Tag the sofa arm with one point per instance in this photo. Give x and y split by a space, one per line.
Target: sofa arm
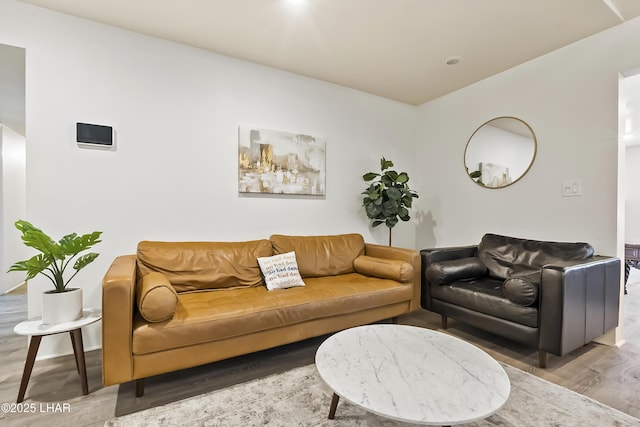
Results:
118 304
579 301
401 254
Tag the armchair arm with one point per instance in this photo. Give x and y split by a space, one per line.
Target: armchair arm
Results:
432 255
579 301
447 254
118 304
407 255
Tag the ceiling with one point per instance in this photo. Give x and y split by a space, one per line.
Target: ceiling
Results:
396 49
393 48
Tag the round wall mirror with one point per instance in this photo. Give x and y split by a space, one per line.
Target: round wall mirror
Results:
500 152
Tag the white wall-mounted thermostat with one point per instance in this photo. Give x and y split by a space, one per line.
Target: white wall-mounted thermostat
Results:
96 136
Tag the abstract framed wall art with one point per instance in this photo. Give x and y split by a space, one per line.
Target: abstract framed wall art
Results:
495 175
278 162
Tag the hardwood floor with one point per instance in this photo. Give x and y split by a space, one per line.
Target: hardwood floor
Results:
608 374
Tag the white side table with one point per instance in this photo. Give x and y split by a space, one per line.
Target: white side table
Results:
36 329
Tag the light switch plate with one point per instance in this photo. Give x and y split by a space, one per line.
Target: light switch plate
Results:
571 188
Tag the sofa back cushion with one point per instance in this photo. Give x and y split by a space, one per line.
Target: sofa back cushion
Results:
319 256
507 257
193 266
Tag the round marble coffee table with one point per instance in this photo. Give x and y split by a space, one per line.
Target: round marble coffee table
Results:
412 374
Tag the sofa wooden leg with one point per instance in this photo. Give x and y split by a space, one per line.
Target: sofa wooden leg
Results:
443 321
140 387
542 355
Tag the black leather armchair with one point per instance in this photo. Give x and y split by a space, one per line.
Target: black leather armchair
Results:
553 296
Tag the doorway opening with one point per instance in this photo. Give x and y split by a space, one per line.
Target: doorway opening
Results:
12 161
629 131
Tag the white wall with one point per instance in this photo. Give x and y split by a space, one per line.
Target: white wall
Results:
176 111
12 204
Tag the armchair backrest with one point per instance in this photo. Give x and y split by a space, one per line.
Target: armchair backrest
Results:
507 257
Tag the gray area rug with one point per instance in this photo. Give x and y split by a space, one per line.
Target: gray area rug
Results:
300 398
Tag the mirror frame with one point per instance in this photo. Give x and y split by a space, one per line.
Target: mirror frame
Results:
533 157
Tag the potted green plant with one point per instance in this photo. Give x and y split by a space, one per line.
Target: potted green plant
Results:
476 176
388 198
52 262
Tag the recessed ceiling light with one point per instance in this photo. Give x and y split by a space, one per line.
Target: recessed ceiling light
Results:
296 1
453 60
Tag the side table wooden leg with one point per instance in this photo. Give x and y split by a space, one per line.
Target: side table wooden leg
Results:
28 365
78 350
334 405
73 345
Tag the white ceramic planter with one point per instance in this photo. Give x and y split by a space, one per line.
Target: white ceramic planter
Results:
61 307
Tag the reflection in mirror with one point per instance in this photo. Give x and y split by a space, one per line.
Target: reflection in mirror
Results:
12 88
500 152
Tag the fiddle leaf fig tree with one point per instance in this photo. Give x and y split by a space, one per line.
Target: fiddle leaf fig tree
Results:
388 198
55 257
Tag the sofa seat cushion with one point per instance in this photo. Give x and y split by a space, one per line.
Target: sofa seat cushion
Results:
486 296
192 266
219 314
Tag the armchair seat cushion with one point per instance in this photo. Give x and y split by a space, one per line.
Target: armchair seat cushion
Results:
486 296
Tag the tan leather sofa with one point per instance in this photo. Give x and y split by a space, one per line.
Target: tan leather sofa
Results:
176 305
